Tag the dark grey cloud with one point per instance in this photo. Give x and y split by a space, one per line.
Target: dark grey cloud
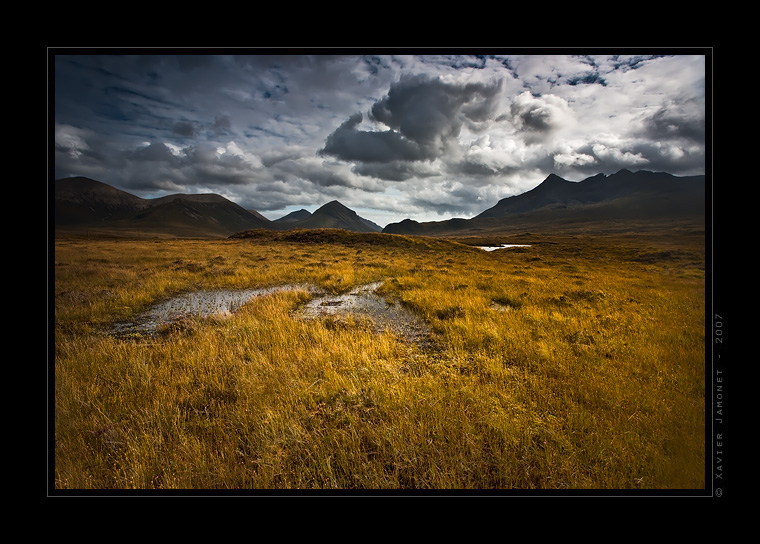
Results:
153 153
221 124
431 112
677 120
184 129
397 170
423 117
350 144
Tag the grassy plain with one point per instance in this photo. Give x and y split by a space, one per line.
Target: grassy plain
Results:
577 363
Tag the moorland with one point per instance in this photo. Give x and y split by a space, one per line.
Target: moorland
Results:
575 363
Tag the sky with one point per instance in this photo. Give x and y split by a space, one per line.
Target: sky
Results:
390 134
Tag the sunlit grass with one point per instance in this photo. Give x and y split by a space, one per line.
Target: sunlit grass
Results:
572 365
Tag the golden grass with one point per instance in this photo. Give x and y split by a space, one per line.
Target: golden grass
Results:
578 364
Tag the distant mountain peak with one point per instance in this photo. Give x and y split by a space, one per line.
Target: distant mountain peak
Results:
292 217
334 205
553 178
333 214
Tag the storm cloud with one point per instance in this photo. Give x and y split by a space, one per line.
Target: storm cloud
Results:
350 144
419 119
391 136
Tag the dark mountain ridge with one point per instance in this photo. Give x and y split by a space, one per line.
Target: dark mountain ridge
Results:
335 215
625 198
292 217
84 203
599 188
81 200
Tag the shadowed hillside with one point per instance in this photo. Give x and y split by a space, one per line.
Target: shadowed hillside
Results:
332 215
621 202
348 238
85 205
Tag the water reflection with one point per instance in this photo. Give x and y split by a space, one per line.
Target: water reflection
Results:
492 248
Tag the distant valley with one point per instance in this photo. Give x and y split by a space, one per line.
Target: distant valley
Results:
624 201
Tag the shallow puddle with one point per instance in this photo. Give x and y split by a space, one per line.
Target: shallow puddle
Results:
197 304
361 302
502 246
365 302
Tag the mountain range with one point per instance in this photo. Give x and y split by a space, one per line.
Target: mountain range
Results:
620 201
625 200
331 215
83 203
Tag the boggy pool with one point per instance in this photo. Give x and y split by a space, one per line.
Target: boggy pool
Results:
362 301
502 246
365 302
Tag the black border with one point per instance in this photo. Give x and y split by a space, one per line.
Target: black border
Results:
715 356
